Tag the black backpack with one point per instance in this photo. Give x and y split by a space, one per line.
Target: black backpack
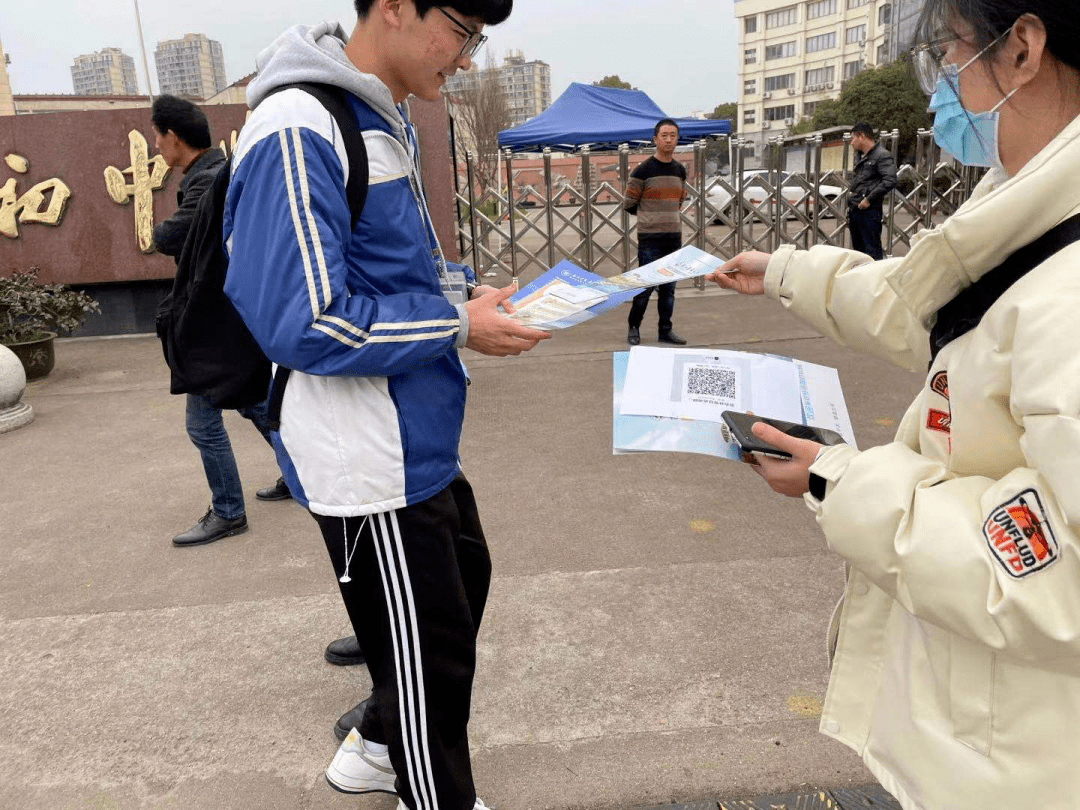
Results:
207 347
964 312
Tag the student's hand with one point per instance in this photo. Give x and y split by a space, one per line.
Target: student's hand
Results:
864 204
492 333
745 273
791 476
485 289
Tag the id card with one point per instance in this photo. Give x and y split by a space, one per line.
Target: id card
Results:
454 287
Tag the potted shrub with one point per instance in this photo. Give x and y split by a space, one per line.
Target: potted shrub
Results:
32 313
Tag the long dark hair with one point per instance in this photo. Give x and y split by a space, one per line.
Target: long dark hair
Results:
989 19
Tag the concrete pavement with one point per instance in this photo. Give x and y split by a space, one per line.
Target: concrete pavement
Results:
655 632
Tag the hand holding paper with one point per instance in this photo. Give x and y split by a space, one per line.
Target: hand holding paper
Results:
745 273
495 334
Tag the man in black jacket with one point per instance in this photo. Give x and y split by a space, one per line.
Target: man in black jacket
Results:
875 177
183 139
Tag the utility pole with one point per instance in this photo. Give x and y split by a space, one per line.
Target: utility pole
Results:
142 47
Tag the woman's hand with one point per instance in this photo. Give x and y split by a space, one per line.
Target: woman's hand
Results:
745 273
789 477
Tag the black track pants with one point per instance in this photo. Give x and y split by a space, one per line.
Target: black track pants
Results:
419 580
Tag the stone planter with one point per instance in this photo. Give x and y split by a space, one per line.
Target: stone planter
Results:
36 356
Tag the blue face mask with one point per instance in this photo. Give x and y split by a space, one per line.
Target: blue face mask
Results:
971 138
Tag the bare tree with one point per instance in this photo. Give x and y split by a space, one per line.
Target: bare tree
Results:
481 111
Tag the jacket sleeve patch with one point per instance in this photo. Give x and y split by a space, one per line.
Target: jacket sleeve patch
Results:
940 384
1020 536
938 420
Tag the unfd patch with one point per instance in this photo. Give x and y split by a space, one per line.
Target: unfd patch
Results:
1020 536
938 420
940 384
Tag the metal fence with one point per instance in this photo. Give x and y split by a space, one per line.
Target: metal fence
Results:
528 221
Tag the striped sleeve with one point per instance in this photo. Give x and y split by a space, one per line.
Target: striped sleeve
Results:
287 220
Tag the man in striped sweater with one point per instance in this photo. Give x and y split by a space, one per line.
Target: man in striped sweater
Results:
655 193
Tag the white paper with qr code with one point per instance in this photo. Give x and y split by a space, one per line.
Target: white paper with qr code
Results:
700 384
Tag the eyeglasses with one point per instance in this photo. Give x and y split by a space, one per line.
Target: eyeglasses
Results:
474 40
927 60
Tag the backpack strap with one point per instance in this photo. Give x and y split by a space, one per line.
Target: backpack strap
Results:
963 313
335 100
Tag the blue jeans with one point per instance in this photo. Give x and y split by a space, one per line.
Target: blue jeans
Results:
206 429
649 250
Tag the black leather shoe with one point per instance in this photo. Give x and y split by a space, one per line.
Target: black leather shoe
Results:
350 720
210 528
278 492
633 336
344 652
670 337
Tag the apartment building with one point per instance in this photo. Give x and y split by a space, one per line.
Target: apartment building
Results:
192 66
794 55
905 19
7 101
527 85
109 72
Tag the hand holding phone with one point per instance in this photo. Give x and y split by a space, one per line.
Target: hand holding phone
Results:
785 471
740 425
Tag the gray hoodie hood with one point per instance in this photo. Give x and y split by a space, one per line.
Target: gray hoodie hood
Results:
316 53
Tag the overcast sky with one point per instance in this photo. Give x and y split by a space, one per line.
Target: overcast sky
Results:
681 53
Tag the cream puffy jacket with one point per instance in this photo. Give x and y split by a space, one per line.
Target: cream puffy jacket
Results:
957 670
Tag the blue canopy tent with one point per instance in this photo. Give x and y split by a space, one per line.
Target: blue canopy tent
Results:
602 118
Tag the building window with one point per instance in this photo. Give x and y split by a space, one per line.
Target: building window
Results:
855 35
852 69
856 3
808 109
819 76
749 87
822 8
779 113
822 42
750 56
883 53
781 51
750 25
884 14
779 82
749 117
782 17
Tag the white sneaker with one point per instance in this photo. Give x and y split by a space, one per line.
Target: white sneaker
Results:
355 769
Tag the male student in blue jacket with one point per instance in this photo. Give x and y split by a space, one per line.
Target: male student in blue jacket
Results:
371 323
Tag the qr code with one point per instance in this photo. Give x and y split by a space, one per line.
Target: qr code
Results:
711 381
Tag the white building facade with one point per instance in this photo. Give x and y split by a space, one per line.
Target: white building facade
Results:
192 66
7 101
794 55
109 72
527 85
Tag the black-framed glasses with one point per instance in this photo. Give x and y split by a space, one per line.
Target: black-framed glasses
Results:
474 40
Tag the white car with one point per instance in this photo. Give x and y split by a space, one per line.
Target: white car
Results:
755 193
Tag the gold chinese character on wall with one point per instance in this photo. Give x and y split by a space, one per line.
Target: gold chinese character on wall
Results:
44 203
147 176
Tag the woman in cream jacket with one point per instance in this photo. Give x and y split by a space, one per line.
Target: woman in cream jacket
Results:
956 674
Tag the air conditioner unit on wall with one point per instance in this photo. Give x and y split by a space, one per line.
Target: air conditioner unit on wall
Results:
829 85
766 124
766 95
788 122
791 91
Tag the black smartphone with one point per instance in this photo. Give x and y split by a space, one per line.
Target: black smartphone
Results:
740 424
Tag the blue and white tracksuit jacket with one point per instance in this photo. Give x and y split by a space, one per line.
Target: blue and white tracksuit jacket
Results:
373 410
